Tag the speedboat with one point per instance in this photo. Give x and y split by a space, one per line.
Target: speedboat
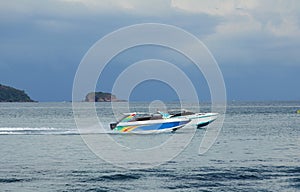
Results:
199 119
148 123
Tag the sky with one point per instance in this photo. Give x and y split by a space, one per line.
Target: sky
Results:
256 44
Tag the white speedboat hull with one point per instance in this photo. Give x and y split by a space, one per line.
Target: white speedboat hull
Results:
202 119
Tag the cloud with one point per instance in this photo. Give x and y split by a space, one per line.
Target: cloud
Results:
238 23
252 32
288 27
279 18
55 34
132 7
105 5
215 7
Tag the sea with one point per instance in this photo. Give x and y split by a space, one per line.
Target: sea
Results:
257 149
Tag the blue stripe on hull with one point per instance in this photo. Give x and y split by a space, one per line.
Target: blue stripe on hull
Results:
160 126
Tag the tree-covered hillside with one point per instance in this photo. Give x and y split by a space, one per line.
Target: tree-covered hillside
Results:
9 94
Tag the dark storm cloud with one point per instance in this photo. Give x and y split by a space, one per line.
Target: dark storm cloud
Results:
42 42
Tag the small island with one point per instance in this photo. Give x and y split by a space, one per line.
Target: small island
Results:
10 94
102 97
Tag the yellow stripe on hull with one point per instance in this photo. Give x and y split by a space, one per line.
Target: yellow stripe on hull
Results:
128 129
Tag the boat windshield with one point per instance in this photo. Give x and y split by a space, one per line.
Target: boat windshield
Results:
176 113
140 117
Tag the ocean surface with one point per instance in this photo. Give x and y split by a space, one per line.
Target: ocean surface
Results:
258 149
